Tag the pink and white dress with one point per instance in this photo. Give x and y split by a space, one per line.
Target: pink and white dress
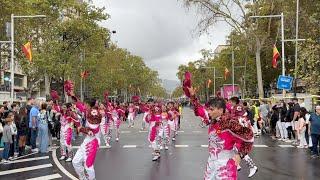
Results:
86 154
67 120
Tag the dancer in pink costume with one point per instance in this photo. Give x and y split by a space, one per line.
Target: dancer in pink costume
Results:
154 120
173 121
105 124
131 115
68 118
86 154
229 140
146 110
164 132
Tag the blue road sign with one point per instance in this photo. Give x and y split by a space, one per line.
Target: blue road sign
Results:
285 82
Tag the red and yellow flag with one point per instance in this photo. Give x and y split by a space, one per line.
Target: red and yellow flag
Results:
84 74
26 48
226 73
208 83
275 56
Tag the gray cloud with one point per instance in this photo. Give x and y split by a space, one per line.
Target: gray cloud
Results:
161 31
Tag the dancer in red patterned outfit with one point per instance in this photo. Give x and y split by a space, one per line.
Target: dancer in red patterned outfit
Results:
229 141
86 154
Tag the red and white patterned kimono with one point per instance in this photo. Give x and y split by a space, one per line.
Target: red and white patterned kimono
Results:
67 120
146 111
173 122
86 154
227 137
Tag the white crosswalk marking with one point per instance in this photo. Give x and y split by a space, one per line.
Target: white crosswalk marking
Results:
27 160
19 170
205 145
129 146
48 177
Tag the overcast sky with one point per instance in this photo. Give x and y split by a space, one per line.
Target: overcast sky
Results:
163 32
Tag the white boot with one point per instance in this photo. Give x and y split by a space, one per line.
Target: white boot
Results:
69 159
62 157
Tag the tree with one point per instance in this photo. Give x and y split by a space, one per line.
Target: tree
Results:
236 13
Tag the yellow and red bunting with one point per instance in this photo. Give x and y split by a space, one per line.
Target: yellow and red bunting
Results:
26 48
275 56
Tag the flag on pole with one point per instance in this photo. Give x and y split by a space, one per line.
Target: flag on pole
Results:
208 83
26 48
275 56
84 74
226 73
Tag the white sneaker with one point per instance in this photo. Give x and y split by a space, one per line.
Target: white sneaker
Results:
300 147
161 147
253 171
288 141
117 139
3 161
69 160
108 146
166 147
35 150
156 157
10 158
62 157
173 139
238 168
280 139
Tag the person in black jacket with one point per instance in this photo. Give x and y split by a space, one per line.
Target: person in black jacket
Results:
274 119
22 126
289 119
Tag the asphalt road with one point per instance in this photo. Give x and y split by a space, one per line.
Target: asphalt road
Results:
130 159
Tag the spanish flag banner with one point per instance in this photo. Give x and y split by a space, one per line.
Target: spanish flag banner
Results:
275 56
26 48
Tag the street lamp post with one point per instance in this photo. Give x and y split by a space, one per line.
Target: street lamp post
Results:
12 50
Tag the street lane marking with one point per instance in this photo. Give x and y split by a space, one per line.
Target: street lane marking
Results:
205 145
129 146
285 145
182 146
61 168
125 132
19 170
197 131
29 159
143 131
77 147
180 131
48 177
259 145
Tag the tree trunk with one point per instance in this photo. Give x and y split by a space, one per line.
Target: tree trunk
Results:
259 73
47 85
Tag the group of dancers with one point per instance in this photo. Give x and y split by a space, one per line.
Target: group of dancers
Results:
100 119
229 129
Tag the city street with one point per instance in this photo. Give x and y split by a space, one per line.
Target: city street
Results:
130 158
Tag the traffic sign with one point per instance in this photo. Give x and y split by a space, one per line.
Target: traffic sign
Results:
284 82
